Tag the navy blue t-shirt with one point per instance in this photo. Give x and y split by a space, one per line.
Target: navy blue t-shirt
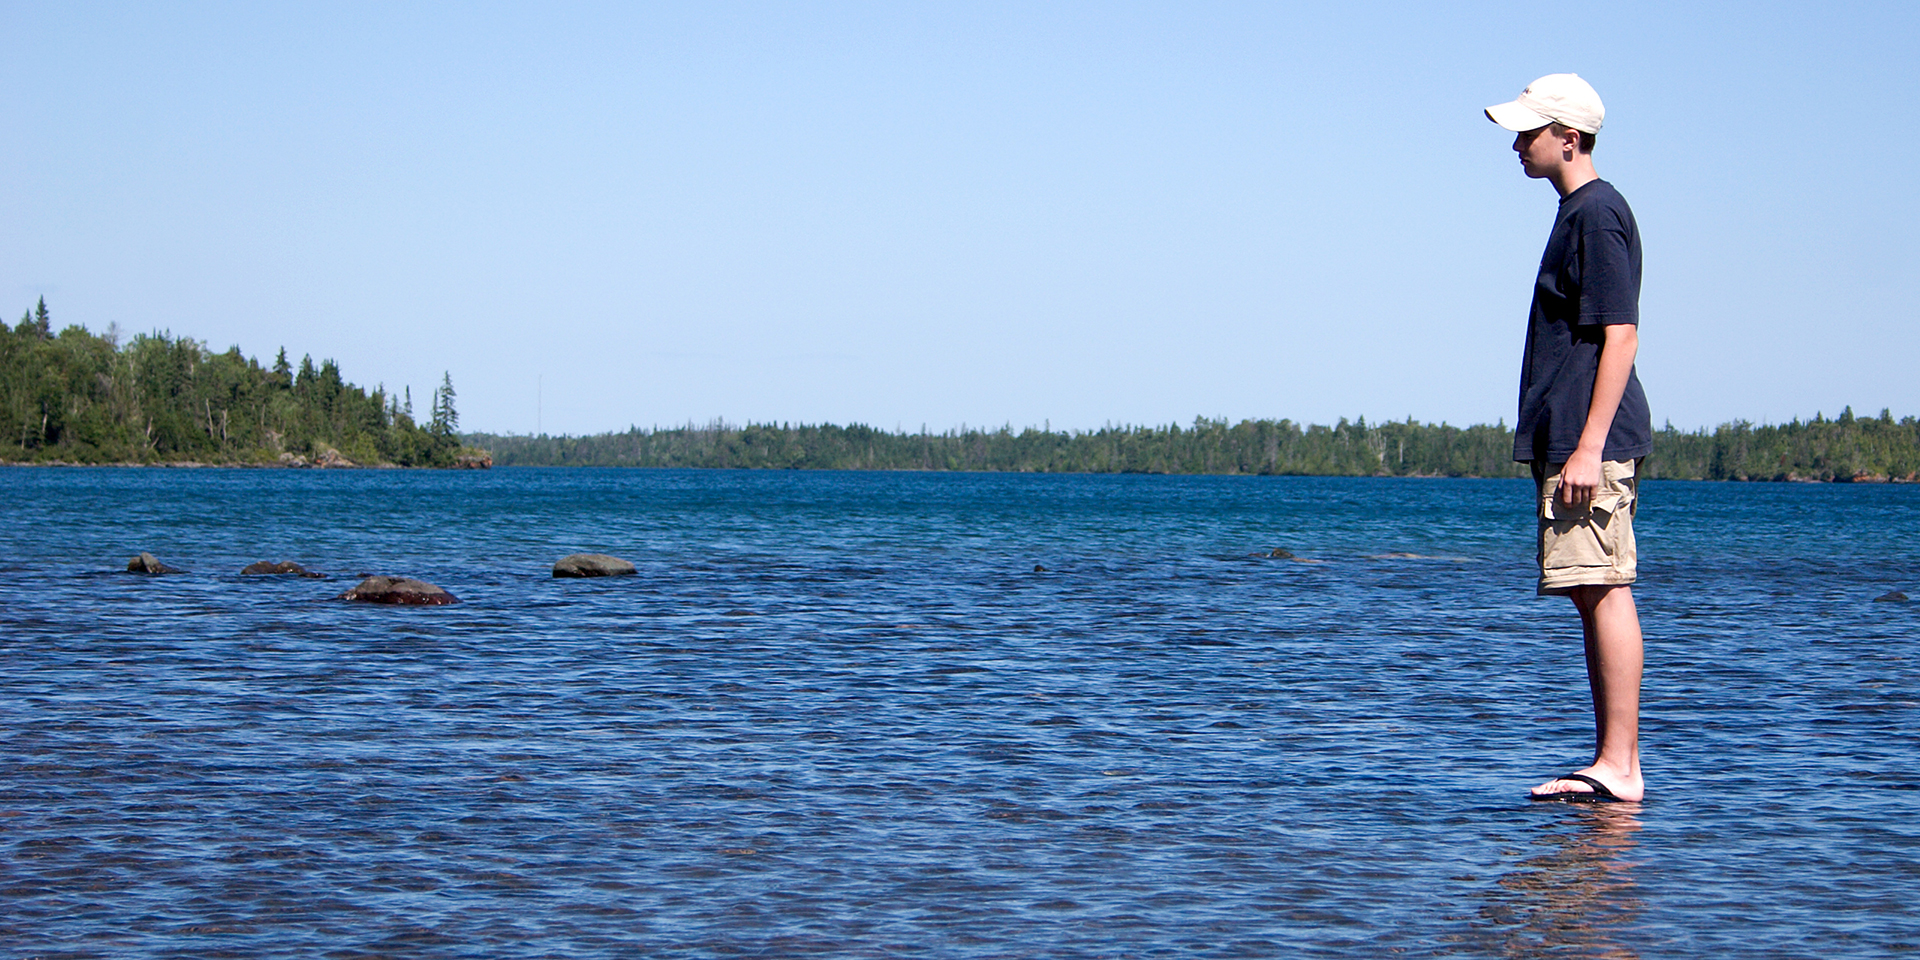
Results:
1589 278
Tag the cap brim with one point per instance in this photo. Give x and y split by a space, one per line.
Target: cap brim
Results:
1515 117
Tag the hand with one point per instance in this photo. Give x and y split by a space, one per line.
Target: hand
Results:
1579 478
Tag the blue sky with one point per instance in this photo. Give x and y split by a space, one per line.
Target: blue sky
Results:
596 215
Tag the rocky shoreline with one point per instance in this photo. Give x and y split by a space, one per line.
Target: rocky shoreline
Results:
286 462
485 462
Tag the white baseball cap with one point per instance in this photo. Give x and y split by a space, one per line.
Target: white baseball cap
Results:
1561 98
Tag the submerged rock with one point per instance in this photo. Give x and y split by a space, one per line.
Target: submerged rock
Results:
263 568
148 563
1893 597
592 565
404 590
1275 554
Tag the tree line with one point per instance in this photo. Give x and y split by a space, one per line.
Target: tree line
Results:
80 398
1843 449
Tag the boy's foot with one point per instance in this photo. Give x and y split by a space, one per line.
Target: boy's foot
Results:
1594 783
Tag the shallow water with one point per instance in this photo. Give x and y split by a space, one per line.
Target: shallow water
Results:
841 714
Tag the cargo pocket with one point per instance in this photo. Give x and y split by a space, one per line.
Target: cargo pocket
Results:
1576 535
1617 491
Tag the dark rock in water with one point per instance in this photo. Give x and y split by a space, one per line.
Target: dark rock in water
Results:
592 565
1275 554
398 590
148 563
1039 569
1893 597
263 568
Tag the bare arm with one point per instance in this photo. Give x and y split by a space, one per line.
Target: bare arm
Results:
1580 477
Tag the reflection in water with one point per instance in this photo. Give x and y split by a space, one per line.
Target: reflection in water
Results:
1576 894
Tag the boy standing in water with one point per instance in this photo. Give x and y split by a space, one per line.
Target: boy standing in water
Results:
1584 424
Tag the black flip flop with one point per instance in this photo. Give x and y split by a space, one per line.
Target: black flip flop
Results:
1599 793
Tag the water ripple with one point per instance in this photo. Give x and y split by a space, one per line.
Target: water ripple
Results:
844 715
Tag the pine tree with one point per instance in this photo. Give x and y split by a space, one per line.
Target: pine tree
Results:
160 398
446 420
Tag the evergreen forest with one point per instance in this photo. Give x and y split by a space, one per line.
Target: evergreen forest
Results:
1846 448
74 397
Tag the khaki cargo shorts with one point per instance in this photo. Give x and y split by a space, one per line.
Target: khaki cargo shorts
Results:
1592 544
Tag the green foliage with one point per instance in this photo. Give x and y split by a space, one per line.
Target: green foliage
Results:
79 398
1845 449
446 421
1208 446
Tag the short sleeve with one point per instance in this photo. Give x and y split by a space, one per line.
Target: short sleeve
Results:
1609 278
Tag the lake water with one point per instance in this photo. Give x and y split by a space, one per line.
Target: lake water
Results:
841 714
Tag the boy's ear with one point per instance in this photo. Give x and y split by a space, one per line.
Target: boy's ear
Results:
1569 140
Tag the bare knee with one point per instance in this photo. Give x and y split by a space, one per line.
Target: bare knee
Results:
1590 597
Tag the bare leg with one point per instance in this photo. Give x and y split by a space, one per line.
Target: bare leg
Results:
1611 627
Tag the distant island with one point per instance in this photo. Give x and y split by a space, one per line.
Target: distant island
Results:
1844 449
74 397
